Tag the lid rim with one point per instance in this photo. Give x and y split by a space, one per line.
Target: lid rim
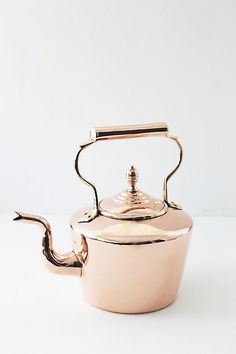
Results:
119 216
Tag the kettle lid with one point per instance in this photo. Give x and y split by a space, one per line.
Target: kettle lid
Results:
132 203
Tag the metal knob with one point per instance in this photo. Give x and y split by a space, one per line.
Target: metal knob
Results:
132 178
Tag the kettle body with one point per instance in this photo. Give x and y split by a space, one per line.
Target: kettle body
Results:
136 273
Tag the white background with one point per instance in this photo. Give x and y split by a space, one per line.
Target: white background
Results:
66 66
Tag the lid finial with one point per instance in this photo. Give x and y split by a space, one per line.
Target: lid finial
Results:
132 178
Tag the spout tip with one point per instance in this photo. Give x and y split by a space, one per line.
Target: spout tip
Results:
29 218
18 217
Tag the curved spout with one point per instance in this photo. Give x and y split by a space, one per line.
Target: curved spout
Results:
67 263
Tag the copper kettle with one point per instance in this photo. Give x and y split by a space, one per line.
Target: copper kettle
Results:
130 249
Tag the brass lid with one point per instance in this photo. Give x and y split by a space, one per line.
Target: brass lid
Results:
131 203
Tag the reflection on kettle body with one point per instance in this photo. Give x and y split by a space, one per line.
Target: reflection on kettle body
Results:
66 263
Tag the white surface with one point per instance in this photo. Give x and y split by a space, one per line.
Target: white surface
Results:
66 66
46 314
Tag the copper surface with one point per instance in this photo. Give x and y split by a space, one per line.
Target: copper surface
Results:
132 176
134 278
172 224
131 131
67 263
132 203
128 264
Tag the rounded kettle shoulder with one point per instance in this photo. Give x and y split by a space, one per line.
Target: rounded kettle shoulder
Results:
174 223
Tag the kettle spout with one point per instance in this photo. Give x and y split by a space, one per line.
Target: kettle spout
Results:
70 263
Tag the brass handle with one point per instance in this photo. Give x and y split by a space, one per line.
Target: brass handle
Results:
125 132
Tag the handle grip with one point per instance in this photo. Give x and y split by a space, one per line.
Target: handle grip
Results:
129 131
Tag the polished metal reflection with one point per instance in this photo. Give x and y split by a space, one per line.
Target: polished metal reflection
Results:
132 203
67 260
130 248
124 132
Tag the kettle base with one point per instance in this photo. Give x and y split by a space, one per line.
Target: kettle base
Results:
136 312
